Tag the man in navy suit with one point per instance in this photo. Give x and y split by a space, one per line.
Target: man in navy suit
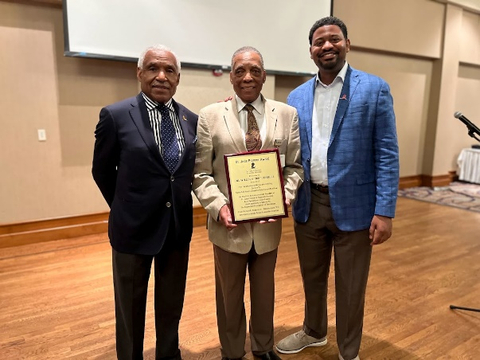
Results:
143 164
348 198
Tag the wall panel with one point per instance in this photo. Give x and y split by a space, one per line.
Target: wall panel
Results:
401 26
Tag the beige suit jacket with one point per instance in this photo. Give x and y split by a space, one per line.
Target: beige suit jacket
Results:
218 134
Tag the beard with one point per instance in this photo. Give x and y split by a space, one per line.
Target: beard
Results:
330 63
335 63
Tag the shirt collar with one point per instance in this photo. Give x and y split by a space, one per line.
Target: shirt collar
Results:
152 104
341 75
257 104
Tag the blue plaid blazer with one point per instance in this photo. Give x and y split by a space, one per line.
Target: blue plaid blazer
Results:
363 165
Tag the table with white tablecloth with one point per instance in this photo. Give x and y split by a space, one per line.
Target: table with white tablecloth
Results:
469 165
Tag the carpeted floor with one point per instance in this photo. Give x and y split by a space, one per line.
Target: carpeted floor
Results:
458 194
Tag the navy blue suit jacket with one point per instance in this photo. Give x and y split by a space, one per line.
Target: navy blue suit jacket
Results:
362 157
129 170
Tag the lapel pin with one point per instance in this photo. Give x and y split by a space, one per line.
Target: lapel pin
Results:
344 97
184 118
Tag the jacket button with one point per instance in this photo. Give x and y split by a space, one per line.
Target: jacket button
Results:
172 178
168 204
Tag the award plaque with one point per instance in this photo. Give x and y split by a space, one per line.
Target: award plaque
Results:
255 186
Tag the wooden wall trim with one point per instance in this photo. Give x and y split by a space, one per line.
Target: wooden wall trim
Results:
199 216
36 231
410 181
30 232
427 180
439 180
46 224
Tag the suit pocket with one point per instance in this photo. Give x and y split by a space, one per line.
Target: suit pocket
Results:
357 108
365 179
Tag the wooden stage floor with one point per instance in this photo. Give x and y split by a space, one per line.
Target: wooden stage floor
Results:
56 298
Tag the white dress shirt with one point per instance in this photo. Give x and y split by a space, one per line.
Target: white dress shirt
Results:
259 112
325 103
156 118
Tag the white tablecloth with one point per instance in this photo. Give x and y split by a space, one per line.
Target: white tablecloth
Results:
469 165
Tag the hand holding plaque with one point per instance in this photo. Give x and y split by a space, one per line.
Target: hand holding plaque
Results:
255 186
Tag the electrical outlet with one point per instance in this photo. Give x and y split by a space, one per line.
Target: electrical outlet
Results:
42 135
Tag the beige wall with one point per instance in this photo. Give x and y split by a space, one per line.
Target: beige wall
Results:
419 47
42 89
410 27
470 39
431 76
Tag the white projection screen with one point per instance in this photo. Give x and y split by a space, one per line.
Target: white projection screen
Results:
203 33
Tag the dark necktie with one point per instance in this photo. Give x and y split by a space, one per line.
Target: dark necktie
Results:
170 149
252 137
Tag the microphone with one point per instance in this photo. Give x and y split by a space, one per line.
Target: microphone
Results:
471 126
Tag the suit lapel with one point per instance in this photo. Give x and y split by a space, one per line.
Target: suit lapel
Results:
140 118
232 122
305 111
187 136
348 89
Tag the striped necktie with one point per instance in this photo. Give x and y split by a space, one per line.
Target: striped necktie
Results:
170 148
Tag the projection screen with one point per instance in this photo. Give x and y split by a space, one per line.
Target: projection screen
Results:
203 33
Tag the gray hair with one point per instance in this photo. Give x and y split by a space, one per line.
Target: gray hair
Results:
245 49
157 48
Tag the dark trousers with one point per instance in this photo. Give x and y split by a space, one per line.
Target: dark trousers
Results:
130 278
230 273
352 254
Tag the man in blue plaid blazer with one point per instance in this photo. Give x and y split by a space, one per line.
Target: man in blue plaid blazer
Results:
348 198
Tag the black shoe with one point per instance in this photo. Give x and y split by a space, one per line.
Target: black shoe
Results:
271 355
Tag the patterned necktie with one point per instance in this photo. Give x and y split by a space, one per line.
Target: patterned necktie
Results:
168 136
252 137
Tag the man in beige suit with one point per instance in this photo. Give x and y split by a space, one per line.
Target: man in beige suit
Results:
223 129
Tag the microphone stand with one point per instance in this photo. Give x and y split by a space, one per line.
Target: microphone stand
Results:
453 307
472 129
471 132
